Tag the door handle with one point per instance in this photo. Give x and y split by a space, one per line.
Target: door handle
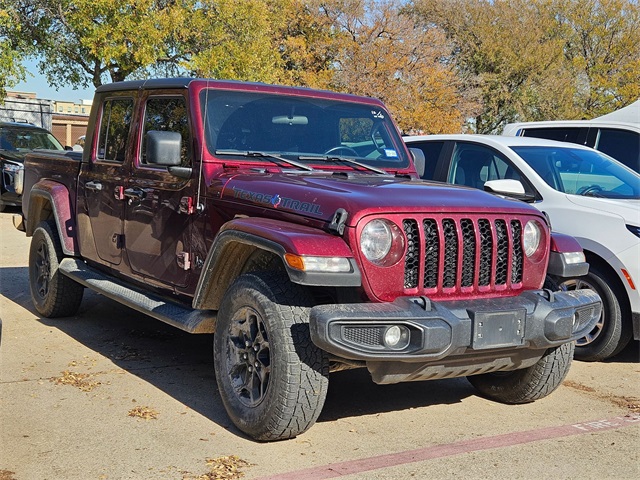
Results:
93 186
134 194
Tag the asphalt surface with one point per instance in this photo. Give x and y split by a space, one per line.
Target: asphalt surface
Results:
112 394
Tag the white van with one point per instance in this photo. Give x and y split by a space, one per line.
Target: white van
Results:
617 134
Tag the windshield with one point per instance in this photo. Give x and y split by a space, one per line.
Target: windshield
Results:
18 141
581 172
310 130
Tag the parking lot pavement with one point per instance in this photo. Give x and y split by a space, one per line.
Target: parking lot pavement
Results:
112 394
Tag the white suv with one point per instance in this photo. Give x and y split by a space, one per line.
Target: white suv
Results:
585 194
617 134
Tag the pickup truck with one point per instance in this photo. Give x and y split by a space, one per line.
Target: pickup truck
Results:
293 225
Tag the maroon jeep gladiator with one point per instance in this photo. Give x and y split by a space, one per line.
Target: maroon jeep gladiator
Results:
292 223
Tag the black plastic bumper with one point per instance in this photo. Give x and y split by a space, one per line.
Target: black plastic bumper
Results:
430 331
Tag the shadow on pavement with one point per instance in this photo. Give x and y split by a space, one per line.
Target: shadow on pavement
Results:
181 364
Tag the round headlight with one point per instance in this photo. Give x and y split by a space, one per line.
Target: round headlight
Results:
375 240
531 238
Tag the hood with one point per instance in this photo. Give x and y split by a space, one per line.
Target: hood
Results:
319 195
628 209
12 156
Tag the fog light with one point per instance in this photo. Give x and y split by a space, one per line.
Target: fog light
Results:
396 336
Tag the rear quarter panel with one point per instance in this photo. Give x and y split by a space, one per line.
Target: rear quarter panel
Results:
50 192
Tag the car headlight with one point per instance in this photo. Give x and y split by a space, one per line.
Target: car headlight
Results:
382 242
531 237
18 180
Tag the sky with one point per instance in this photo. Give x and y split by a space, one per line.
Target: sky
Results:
38 83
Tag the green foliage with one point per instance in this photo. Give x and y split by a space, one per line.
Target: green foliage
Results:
12 50
541 60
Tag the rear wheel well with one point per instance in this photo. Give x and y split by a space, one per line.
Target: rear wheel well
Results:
40 210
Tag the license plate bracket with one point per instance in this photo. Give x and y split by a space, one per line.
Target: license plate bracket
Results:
498 329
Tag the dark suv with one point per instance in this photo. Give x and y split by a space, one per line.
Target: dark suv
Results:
16 140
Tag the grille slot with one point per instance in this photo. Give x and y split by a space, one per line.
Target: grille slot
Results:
486 252
454 253
412 258
516 252
431 254
468 252
502 259
450 253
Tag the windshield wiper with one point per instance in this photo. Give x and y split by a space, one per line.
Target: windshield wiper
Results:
333 158
264 155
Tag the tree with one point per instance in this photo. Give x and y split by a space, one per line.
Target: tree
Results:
84 42
384 53
602 52
542 60
508 52
12 50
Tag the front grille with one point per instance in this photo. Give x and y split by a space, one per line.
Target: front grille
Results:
450 254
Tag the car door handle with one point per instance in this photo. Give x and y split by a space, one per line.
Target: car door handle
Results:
93 186
134 194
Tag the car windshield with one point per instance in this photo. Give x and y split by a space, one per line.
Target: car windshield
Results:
18 141
581 172
308 130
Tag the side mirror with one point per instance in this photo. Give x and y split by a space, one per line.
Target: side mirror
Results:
508 187
164 148
418 160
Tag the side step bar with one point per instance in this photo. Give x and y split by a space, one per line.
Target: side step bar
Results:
187 319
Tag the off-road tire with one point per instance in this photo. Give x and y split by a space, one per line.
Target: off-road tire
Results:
611 334
279 389
528 384
53 294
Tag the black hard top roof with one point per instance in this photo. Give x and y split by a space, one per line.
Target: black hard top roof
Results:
183 82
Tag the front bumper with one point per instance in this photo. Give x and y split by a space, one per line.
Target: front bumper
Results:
460 331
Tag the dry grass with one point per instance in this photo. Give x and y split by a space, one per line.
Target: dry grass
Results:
78 380
147 413
222 468
7 475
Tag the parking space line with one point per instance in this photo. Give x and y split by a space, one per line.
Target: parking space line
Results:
350 467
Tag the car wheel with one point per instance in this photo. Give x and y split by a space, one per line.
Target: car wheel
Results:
272 379
610 334
53 294
527 384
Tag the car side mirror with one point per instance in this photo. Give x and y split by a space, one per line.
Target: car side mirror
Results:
419 160
164 148
508 187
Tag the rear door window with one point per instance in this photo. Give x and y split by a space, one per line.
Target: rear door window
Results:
622 145
561 134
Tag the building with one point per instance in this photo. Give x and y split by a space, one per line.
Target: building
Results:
66 120
71 108
70 120
24 107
